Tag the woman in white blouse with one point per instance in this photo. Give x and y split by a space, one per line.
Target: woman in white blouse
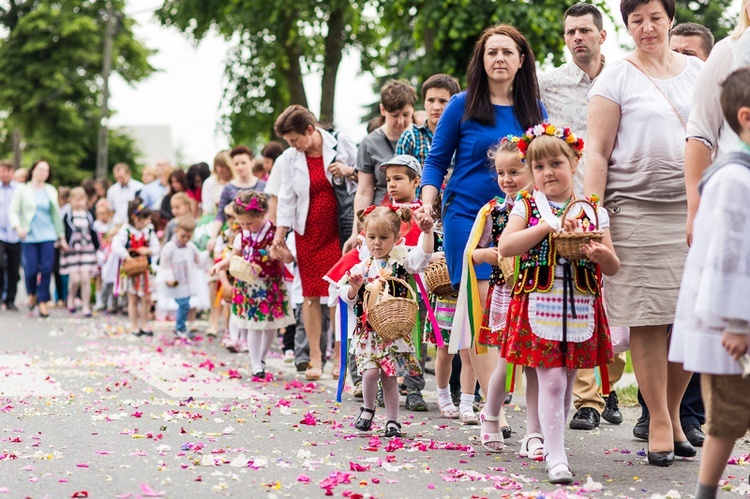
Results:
222 173
638 109
707 132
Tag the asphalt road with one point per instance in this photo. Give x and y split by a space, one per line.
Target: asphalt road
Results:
86 410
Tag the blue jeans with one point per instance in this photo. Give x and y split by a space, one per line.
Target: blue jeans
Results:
183 307
38 258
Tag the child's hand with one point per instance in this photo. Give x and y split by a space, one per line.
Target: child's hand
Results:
570 224
485 255
356 281
172 284
214 269
144 251
438 256
735 344
424 223
597 252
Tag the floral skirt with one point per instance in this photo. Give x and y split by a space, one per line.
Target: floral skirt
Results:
519 345
494 318
261 305
395 358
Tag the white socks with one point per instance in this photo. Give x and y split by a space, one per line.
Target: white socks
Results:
467 403
444 397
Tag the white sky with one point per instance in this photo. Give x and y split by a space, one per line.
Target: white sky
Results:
186 91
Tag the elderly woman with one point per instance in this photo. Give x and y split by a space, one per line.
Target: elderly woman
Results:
638 110
709 137
307 205
35 216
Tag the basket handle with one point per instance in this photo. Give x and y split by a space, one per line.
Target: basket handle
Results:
366 297
585 201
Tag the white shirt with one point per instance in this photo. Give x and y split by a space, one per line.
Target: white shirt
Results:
210 195
119 196
180 264
565 94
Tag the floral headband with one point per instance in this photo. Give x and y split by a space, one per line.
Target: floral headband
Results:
562 133
253 204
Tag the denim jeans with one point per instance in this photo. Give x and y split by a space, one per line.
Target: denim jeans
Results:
38 258
183 307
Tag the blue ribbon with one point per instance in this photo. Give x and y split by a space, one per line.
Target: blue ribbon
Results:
344 350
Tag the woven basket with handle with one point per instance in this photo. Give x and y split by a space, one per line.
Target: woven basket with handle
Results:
438 279
243 270
392 318
508 268
134 266
570 244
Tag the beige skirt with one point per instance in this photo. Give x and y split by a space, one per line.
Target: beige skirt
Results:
649 238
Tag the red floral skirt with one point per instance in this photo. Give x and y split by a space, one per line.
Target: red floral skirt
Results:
519 345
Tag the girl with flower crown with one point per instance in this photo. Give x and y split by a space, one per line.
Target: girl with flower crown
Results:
556 321
376 357
261 307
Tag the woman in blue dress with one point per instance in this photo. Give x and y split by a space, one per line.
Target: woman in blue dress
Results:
502 98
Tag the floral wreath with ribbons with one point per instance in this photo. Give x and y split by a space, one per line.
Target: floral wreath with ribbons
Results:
562 133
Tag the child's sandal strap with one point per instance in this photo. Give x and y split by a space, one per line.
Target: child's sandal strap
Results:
369 411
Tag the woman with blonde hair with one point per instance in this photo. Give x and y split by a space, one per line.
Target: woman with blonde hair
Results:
223 172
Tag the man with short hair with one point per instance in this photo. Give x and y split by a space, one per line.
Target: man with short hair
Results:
691 39
10 243
122 192
565 95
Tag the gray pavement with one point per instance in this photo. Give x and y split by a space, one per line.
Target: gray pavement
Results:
86 410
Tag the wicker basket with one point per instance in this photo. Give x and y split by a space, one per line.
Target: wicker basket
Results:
438 279
243 270
508 268
134 266
392 318
227 293
570 244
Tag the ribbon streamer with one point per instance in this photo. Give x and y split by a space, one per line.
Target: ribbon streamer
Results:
344 350
430 312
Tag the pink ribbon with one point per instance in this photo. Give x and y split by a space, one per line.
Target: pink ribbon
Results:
430 313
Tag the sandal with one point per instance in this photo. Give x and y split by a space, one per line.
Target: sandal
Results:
313 373
449 411
469 417
490 438
392 429
532 450
336 371
560 474
364 424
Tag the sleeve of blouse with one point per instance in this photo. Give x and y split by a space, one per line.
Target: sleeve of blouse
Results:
519 210
287 206
706 117
607 85
365 163
417 260
153 242
119 243
347 150
444 143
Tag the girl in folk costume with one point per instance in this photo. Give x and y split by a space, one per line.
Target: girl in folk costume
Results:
512 176
556 321
136 238
376 357
261 306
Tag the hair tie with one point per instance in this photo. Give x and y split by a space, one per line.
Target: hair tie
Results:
561 133
368 210
253 204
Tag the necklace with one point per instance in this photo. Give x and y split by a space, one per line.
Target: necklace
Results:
669 65
558 211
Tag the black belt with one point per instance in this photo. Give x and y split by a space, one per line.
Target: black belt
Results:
567 288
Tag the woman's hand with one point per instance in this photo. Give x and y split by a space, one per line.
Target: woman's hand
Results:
736 344
21 233
339 169
63 245
350 244
485 255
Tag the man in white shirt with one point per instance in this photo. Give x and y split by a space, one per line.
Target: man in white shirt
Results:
565 95
122 192
10 245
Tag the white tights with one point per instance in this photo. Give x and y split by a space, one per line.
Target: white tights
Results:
259 341
555 395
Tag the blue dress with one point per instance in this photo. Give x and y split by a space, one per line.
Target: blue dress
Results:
473 181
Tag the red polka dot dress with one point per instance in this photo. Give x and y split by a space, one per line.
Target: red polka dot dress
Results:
318 249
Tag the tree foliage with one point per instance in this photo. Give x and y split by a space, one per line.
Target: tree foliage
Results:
713 14
50 80
275 44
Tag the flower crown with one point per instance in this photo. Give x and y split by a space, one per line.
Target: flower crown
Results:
562 133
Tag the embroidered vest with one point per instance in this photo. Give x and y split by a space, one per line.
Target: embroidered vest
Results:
499 221
537 266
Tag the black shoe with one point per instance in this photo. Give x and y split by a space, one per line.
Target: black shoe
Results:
611 412
402 390
392 429
640 430
456 397
586 418
508 398
665 458
694 434
11 307
506 431
684 449
145 333
260 374
303 366
415 402
364 424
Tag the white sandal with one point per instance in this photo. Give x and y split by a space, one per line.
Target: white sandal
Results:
468 417
449 411
531 450
560 474
490 438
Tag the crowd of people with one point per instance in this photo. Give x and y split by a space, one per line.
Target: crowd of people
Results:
563 207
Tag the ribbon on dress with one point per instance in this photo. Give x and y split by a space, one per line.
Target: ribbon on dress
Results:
344 349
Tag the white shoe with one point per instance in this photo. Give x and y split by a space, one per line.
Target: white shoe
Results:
288 356
560 475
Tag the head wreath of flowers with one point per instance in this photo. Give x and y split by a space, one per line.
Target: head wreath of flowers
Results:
562 133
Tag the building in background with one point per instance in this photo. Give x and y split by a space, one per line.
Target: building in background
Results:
154 142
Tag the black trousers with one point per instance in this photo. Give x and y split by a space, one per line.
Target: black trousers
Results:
10 253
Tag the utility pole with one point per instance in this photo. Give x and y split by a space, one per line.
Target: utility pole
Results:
102 154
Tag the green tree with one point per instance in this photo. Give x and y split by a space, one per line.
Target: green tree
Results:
276 44
713 14
50 79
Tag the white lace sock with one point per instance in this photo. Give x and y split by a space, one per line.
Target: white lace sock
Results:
268 336
255 349
467 403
